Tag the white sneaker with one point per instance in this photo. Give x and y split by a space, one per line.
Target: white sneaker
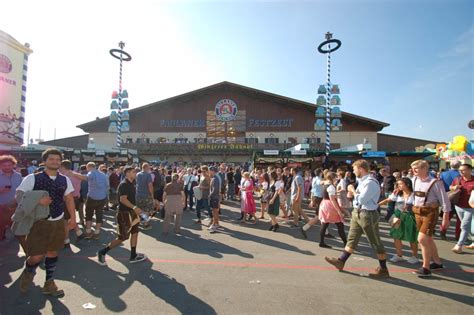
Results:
396 259
413 260
457 249
212 229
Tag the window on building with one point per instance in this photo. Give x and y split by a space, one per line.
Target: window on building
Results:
312 140
200 140
251 140
226 132
181 140
271 140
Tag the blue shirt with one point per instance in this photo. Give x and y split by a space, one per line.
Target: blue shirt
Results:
143 179
98 185
297 182
316 187
448 176
13 180
367 194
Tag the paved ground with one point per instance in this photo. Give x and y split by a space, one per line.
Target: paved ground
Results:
244 269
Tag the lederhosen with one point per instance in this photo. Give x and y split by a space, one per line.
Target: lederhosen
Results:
48 235
426 216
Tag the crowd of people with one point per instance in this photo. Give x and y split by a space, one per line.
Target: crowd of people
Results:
41 207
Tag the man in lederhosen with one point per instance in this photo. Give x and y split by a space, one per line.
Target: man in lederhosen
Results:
429 196
46 236
127 219
365 220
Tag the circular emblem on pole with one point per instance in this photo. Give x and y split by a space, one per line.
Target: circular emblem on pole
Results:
116 54
323 50
226 110
5 64
471 124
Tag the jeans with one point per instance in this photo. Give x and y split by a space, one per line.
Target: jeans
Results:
203 203
230 190
465 215
189 197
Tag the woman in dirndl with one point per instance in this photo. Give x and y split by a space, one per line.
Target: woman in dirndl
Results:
329 210
403 224
247 202
274 202
341 189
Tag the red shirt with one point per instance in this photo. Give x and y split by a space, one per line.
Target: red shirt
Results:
466 188
114 180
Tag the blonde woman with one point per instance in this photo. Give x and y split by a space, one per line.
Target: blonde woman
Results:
330 211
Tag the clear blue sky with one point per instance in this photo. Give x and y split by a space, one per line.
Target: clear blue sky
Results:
407 63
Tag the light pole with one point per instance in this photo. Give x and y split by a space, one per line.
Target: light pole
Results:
328 90
122 96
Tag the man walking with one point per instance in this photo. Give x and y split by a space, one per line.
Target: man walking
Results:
46 236
66 167
429 196
297 195
127 219
145 192
388 186
98 187
214 199
448 177
189 182
9 182
365 220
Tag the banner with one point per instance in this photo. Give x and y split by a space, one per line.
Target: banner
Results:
13 70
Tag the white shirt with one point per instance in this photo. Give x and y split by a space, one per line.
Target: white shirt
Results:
28 184
367 194
331 190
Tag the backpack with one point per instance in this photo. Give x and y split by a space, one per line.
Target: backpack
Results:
158 182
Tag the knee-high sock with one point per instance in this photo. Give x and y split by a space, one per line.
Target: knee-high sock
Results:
50 266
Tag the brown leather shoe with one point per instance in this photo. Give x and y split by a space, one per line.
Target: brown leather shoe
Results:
379 273
335 262
50 288
26 279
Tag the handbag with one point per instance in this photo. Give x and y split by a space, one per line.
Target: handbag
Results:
454 195
197 192
267 195
396 222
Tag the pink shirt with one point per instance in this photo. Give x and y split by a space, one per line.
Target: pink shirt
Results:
76 183
437 193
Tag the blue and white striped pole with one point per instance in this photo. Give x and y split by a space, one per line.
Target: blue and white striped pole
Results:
21 134
323 50
121 55
328 103
119 120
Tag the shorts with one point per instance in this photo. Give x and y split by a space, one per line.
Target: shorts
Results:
214 203
147 204
124 224
426 219
95 206
45 236
365 222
